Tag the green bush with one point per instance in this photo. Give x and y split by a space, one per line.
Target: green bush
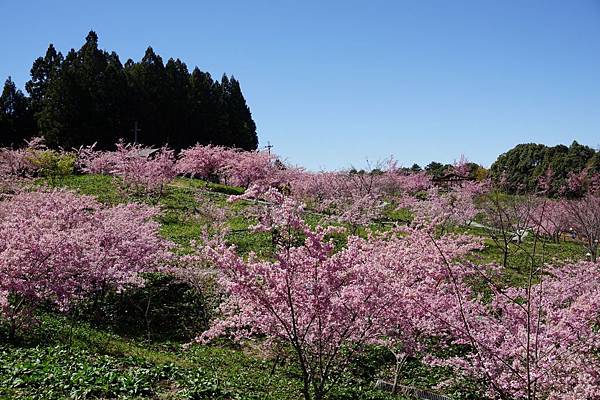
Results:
52 164
164 308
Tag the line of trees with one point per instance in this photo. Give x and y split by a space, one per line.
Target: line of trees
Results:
89 96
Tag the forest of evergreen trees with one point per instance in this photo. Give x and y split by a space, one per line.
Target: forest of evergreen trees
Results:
89 96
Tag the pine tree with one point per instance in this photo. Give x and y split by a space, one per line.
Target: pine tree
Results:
85 99
223 134
114 100
147 82
16 118
203 108
61 104
43 69
177 112
243 128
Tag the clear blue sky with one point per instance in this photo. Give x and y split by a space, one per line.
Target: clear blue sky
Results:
334 83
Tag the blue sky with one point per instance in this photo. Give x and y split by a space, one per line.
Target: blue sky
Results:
335 83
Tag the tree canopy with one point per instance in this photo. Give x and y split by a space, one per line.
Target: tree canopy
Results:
90 96
15 114
521 167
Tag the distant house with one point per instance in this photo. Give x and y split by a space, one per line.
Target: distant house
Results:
451 179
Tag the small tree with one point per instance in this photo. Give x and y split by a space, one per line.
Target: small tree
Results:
243 168
508 219
444 209
206 162
320 303
584 216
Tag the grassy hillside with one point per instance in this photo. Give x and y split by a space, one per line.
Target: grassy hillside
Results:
105 356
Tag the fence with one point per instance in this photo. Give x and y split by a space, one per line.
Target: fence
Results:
410 391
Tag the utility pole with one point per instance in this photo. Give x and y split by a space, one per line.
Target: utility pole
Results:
135 130
269 146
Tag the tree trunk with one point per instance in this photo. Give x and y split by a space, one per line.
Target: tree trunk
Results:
12 331
306 389
147 319
399 363
274 365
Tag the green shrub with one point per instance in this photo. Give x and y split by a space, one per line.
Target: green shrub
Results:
52 164
164 308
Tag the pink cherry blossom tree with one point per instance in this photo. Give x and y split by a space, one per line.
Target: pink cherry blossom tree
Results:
418 281
231 166
584 217
398 287
525 342
552 217
141 169
18 162
309 297
244 168
444 208
92 161
206 162
534 342
59 247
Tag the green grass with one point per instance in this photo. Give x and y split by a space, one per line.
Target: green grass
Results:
87 363
520 256
101 186
72 359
